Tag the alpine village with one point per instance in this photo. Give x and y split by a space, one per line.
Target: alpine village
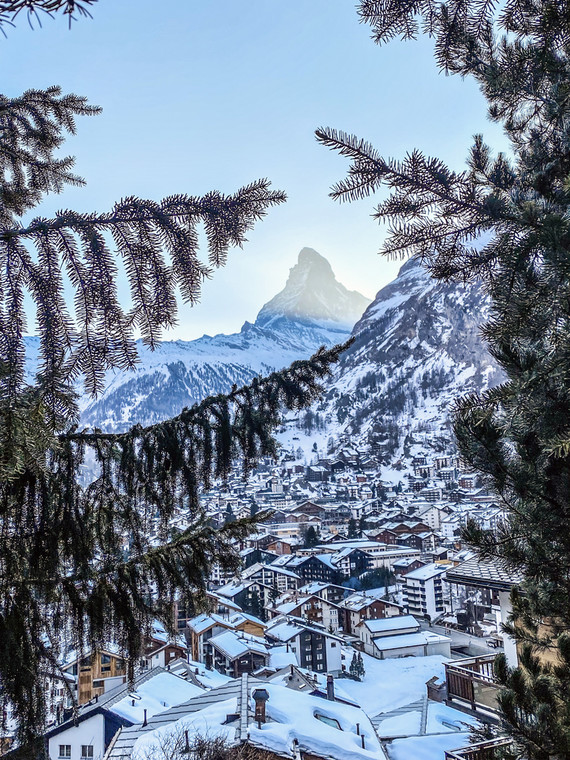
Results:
340 531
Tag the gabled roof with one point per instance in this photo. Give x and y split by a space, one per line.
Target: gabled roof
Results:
233 645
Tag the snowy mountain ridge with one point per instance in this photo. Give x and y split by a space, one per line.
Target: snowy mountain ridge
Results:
416 349
312 310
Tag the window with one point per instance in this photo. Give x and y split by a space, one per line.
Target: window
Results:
65 750
86 751
333 644
98 684
105 659
329 721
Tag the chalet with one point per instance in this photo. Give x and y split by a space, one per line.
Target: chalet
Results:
200 629
88 734
360 606
351 561
406 565
276 577
314 647
233 653
312 609
93 672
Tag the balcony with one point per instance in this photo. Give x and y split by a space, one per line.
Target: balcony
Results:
488 750
471 684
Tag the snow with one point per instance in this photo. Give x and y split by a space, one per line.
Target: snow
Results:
407 724
396 623
392 683
294 718
156 695
444 718
234 645
279 658
205 723
426 747
409 640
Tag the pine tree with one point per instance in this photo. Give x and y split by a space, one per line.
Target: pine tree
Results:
503 221
353 668
360 666
77 564
311 537
352 528
10 10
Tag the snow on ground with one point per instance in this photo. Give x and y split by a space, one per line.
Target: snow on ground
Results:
426 747
392 683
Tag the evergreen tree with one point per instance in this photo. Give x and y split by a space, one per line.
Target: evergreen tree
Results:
77 566
311 537
504 221
361 672
353 669
352 528
35 9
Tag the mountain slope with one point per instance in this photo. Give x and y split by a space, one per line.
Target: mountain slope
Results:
312 310
416 349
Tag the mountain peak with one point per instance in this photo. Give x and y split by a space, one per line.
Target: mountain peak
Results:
312 294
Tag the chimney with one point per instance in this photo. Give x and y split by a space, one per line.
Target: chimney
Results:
260 697
145 721
330 688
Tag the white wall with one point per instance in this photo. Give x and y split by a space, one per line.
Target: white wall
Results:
90 731
508 643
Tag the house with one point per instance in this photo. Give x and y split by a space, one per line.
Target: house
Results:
250 595
423 591
313 609
274 576
406 565
401 637
90 672
233 653
351 561
88 734
360 606
314 647
203 627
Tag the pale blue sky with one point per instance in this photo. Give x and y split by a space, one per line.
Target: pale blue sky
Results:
199 96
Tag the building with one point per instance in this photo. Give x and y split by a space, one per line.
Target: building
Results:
424 591
314 647
401 637
88 734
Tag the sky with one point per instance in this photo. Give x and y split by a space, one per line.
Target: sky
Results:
211 96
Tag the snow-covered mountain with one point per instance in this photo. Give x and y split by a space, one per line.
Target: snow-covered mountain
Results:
312 310
416 348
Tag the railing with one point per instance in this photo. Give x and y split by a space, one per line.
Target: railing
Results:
472 681
480 751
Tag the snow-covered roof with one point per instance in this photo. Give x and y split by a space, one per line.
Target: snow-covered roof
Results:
297 716
426 572
396 623
235 645
155 695
203 622
406 640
